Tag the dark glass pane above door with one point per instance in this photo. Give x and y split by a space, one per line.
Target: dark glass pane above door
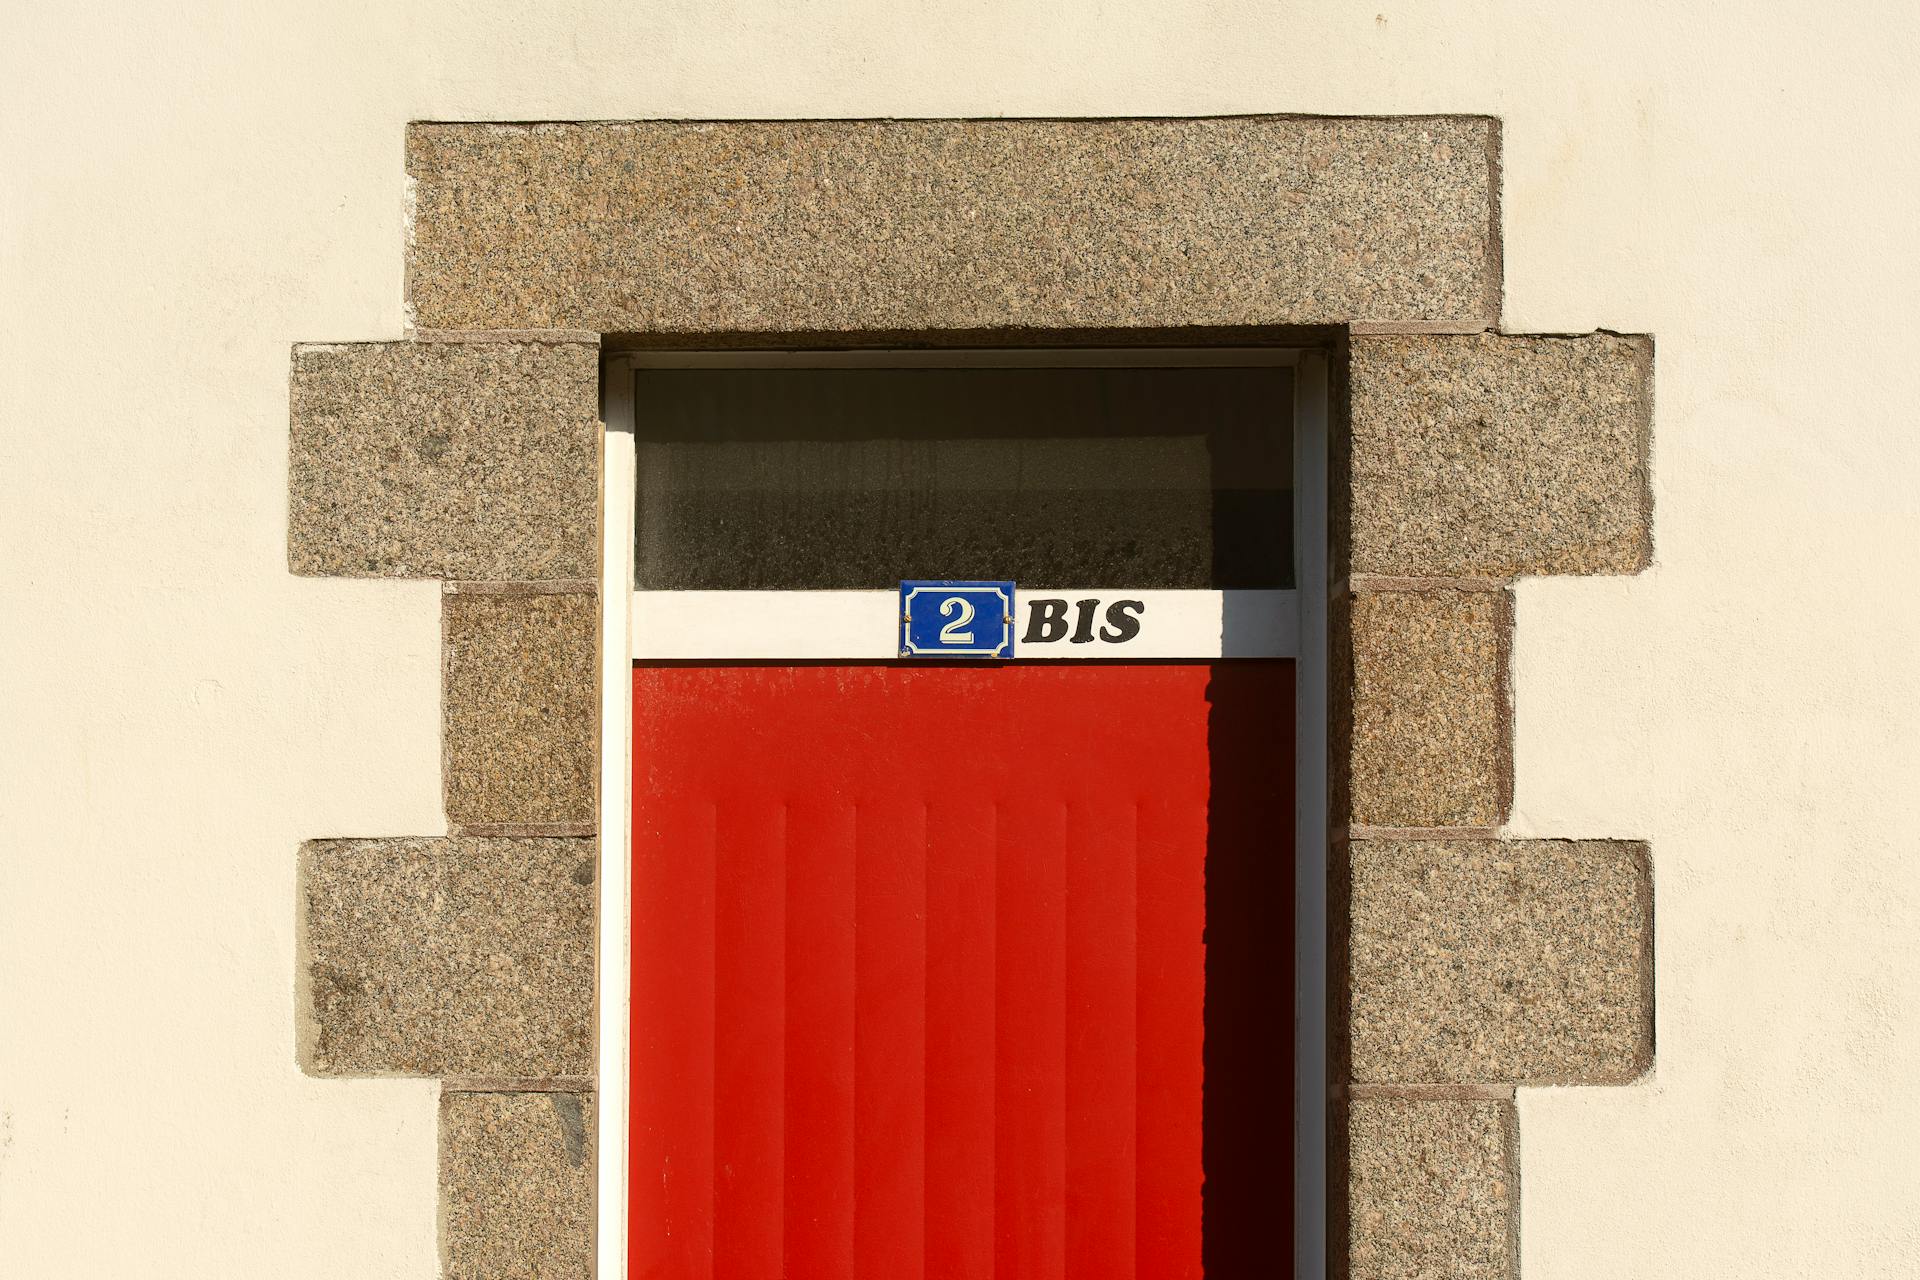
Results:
842 478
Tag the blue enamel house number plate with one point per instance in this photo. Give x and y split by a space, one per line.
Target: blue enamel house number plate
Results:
956 619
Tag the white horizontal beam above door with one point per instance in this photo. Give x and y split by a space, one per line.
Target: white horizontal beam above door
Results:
1086 623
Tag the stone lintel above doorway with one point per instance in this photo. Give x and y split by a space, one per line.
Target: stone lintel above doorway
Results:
824 226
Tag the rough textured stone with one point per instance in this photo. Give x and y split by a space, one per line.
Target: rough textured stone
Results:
445 460
1494 456
466 957
837 225
1433 1190
1429 734
521 707
1523 961
516 1186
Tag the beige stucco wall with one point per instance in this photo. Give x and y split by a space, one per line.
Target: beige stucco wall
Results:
188 191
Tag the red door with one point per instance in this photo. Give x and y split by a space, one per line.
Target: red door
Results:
962 971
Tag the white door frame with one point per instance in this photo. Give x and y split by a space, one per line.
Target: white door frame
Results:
692 628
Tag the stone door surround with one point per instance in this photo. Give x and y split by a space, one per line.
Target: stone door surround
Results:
1463 457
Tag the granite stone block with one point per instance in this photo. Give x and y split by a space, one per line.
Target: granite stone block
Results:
521 707
445 460
1428 732
1433 1190
1494 456
826 226
516 1186
1524 962
447 957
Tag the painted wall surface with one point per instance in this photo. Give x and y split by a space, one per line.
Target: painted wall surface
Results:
189 189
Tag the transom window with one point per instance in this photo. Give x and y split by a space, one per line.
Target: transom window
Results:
1158 473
